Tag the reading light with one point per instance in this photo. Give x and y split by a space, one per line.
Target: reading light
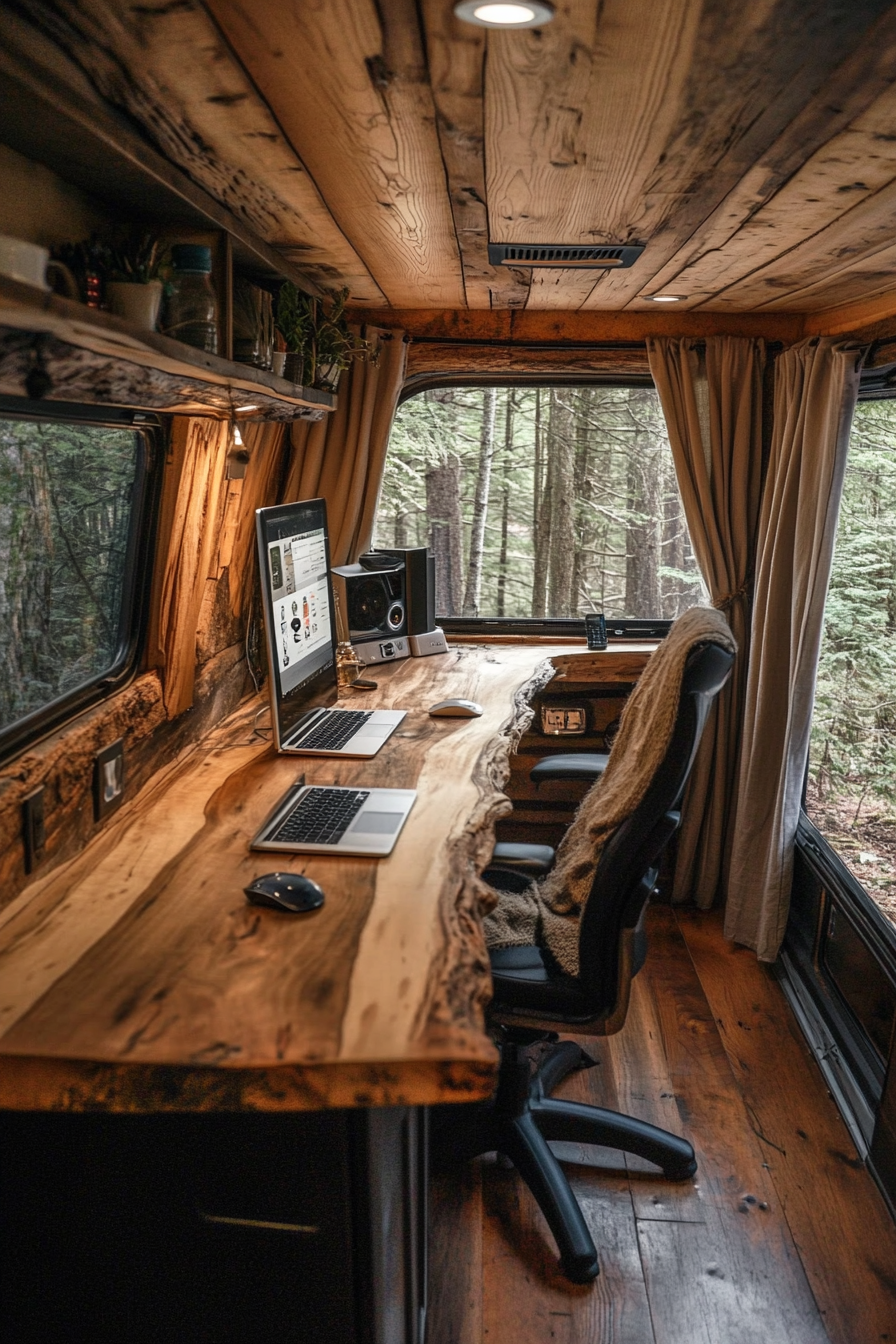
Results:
665 298
522 14
247 408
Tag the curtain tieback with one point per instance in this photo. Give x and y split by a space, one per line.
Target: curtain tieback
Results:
726 603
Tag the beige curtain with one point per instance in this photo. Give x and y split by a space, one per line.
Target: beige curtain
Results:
711 394
816 384
342 456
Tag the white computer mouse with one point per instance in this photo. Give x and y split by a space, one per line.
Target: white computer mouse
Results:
456 709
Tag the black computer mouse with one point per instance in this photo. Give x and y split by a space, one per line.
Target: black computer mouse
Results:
285 891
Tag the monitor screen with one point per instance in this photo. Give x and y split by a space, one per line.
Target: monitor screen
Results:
294 561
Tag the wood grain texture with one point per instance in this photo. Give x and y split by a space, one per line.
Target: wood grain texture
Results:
168 68
456 58
710 1051
864 77
811 1158
142 950
379 146
849 169
99 359
528 326
578 118
365 127
758 78
736 1274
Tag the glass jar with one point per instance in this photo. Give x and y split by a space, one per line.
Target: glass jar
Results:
191 310
348 667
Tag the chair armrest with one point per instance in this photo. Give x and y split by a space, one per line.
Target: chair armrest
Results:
587 765
506 879
535 860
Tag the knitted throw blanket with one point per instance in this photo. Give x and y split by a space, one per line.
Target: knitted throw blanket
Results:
547 913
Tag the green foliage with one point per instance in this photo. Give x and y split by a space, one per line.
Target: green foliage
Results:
318 330
583 511
853 753
65 517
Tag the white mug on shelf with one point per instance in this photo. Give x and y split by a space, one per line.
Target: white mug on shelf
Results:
28 263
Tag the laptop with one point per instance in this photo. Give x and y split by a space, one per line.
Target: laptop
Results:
300 637
325 819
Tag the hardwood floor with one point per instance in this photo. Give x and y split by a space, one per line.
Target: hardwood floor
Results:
782 1237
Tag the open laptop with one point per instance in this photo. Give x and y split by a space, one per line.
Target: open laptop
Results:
300 630
324 819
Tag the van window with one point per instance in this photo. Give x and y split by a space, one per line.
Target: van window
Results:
541 501
68 491
851 786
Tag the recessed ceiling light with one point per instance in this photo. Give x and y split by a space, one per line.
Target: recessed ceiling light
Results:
523 14
665 298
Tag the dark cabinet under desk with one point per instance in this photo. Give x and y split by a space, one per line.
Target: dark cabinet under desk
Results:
213 1229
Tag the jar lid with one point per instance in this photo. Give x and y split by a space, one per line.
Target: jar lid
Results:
191 257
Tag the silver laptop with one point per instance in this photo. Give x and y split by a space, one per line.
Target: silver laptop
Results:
324 819
300 630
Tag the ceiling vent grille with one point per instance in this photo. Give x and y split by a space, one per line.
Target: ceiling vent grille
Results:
567 258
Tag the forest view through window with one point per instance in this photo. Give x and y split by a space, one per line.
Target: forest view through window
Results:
540 501
66 495
851 789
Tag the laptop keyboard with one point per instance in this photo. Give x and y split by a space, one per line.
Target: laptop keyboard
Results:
321 816
334 730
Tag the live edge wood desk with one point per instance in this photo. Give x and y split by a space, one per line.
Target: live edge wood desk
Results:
230 1144
136 978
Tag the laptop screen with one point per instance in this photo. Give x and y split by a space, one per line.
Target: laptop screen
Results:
294 562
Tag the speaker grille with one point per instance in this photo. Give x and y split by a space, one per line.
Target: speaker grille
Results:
566 258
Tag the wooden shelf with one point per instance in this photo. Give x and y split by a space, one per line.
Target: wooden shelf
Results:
94 148
99 359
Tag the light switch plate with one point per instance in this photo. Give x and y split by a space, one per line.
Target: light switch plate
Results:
34 828
108 779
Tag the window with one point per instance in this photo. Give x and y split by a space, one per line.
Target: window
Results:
540 501
851 786
71 500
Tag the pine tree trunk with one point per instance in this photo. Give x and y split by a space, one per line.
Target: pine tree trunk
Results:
473 590
501 604
580 585
642 586
561 473
541 518
446 533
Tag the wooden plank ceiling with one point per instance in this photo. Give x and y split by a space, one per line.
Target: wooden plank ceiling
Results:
751 147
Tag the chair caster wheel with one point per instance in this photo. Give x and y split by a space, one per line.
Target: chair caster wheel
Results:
580 1270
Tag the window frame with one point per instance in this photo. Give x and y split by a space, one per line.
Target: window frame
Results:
546 627
152 431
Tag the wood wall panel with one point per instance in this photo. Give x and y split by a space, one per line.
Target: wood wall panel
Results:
456 54
381 146
577 116
356 104
755 69
852 88
169 69
852 168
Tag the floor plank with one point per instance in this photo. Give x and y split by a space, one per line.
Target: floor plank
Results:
735 1277
710 1051
846 1239
455 1298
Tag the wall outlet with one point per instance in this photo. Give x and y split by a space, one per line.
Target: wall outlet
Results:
34 828
108 780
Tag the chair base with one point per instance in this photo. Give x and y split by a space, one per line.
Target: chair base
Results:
522 1118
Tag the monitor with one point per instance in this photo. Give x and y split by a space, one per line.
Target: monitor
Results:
297 597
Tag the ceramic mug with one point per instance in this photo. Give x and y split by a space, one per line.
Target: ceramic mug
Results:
28 263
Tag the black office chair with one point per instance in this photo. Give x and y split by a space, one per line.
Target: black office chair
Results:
532 998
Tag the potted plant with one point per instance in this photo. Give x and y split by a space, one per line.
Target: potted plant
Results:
133 287
319 341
